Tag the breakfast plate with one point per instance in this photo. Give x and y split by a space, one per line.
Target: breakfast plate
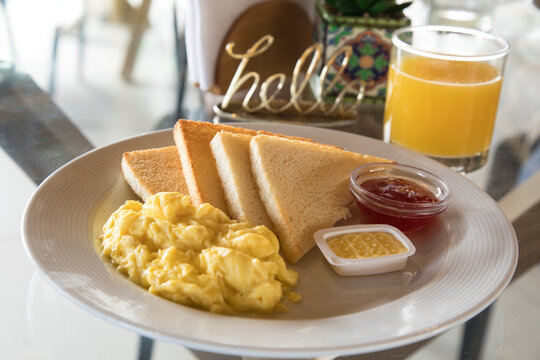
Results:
463 261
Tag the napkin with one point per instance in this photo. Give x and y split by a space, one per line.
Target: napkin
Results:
207 24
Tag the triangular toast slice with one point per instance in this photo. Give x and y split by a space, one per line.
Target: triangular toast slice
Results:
304 187
154 170
192 140
231 152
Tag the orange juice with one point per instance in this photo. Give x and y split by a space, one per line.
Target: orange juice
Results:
440 107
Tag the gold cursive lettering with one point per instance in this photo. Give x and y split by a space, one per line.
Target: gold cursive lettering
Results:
299 82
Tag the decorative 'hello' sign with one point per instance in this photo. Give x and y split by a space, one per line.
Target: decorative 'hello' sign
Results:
299 82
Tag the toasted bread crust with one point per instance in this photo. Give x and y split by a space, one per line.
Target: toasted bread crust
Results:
153 170
192 139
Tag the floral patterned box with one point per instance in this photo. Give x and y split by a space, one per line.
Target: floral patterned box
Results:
370 39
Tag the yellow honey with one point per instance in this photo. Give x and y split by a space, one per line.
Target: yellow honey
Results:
365 245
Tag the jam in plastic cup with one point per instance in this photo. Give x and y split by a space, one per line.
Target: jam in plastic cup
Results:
403 196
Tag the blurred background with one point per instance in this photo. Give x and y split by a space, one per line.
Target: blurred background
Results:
105 64
77 51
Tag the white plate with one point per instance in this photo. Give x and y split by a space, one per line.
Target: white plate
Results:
463 261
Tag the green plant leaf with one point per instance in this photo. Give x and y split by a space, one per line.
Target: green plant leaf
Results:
394 9
364 5
380 7
345 7
372 7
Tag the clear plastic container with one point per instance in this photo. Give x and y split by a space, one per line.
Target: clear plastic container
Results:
364 265
399 195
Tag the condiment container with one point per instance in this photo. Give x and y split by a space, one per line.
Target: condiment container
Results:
364 265
400 195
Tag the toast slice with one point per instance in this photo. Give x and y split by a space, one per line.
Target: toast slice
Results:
153 170
192 140
304 187
231 152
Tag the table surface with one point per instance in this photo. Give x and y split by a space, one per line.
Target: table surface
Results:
36 138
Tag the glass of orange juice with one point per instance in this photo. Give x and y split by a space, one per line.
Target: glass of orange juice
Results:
443 92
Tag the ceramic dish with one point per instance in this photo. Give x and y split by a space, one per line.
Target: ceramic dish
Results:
470 250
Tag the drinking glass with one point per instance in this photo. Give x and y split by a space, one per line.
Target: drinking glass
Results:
443 92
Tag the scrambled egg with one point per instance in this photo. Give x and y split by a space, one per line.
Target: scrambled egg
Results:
197 256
